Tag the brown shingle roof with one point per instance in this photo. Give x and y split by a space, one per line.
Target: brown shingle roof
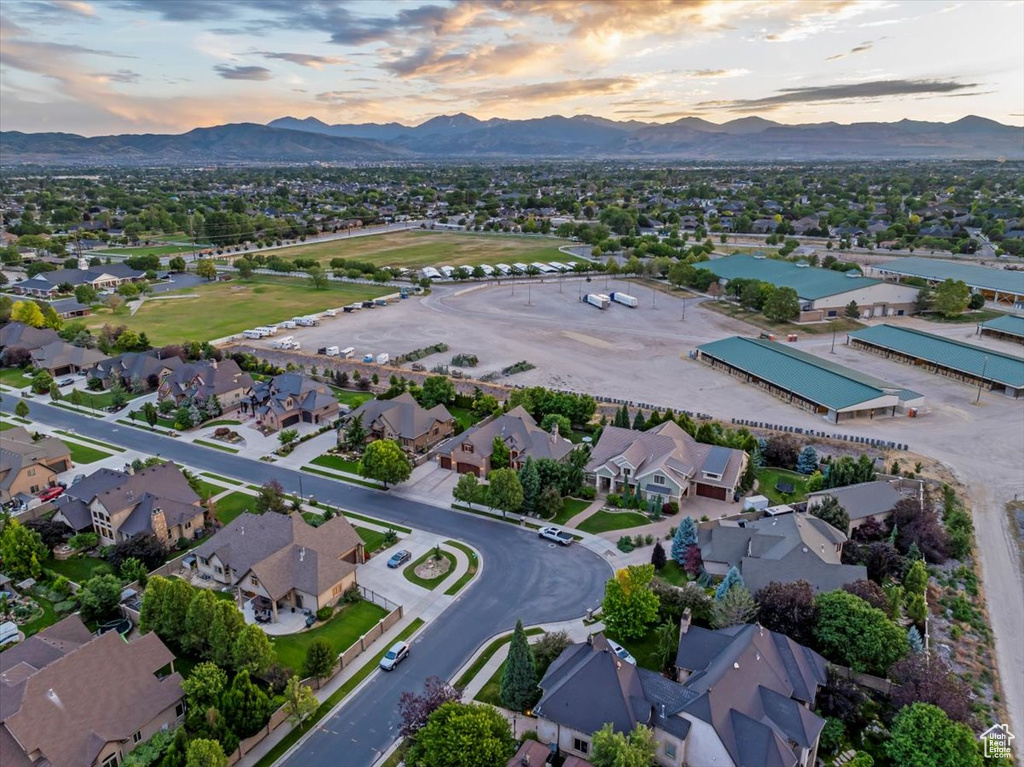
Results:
519 431
403 414
17 450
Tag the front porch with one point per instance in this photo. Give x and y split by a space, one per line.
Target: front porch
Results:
275 618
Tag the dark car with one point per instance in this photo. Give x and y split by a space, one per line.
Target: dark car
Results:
398 558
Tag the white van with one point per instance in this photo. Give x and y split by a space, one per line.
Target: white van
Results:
348 352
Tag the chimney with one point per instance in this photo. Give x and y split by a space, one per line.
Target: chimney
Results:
590 639
685 621
158 522
302 553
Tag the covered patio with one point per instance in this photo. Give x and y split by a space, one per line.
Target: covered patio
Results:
260 610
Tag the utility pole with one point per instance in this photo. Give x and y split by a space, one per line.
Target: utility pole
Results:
833 349
192 235
981 381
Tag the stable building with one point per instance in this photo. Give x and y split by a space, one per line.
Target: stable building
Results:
1001 286
806 381
971 364
824 293
1009 327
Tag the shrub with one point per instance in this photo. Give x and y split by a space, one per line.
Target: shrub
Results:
83 541
625 544
670 508
587 493
614 499
638 540
325 612
648 539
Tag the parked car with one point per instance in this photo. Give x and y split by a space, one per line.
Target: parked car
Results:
50 493
622 652
399 651
398 558
560 537
65 382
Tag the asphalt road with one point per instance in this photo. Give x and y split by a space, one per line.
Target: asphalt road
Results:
522 578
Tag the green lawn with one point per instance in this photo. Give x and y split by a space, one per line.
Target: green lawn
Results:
341 631
230 506
207 489
14 378
672 572
48 618
219 477
372 539
470 573
410 570
767 478
570 508
337 478
77 569
645 650
83 454
92 441
350 515
603 521
490 693
223 422
224 308
214 445
145 250
413 249
464 416
351 398
331 461
5 425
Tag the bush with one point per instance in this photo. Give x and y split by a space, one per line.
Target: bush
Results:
587 493
62 608
625 544
614 499
83 541
670 508
325 613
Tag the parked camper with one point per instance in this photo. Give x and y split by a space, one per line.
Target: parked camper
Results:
599 300
503 268
383 358
267 330
380 302
287 325
625 299
367 358
430 273
296 345
488 270
542 267
558 266
331 313
347 353
282 343
252 334
307 322
331 351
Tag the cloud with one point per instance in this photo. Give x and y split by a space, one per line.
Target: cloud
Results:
557 91
242 72
178 10
484 60
304 59
715 73
865 91
813 18
865 46
120 76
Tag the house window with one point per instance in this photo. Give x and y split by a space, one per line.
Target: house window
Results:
659 480
179 710
254 580
218 570
832 313
137 736
670 750
467 447
32 472
188 525
110 761
581 745
204 560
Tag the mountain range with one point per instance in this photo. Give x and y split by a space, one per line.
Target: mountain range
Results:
463 137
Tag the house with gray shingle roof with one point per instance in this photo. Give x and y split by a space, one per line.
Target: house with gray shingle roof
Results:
784 548
198 381
136 369
666 462
279 561
470 452
19 335
404 420
742 696
292 398
61 358
866 500
73 507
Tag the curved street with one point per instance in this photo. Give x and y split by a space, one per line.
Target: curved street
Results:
521 578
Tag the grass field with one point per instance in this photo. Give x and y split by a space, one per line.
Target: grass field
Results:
83 454
413 250
767 478
14 377
341 631
603 521
372 539
230 506
570 508
223 308
351 398
145 250
77 569
331 461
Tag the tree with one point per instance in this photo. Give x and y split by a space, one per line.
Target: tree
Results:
355 433
468 489
529 478
225 626
870 592
206 269
920 678
951 298
203 690
781 450
300 701
788 608
629 604
550 503
548 648
615 749
77 398
271 498
830 511
21 409
252 651
318 277
85 294
196 637
782 305
463 735
415 709
320 660
519 679
658 556
916 579
639 423
852 311
151 414
22 551
437 390
686 536
734 608
287 436
54 392
145 548
923 736
245 706
52 533
807 462
732 578
504 491
176 264
851 632
976 302
500 455
100 596
205 753
918 524
29 313
385 461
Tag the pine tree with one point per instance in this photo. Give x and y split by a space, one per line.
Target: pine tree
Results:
735 606
622 417
686 536
197 623
732 578
245 706
658 556
639 424
807 462
529 478
519 679
914 638
320 659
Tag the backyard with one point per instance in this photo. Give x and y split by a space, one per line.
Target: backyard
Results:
768 478
77 569
347 625
351 398
230 506
223 308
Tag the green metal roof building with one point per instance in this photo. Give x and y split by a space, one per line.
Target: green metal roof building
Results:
807 381
966 362
999 285
1009 327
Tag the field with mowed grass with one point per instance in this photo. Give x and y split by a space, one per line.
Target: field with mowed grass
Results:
145 250
414 250
225 308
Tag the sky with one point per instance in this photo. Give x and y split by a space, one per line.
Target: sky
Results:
97 67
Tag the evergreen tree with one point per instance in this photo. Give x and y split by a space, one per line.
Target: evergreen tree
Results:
519 679
686 536
735 606
252 650
245 706
225 627
639 424
355 434
320 660
914 639
622 418
732 578
529 478
658 556
500 456
807 463
196 638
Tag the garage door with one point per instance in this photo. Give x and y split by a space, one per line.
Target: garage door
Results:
467 468
292 419
710 491
446 462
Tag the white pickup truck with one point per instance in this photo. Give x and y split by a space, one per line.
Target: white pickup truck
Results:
560 537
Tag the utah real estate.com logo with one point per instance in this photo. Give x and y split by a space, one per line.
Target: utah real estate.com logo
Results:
997 741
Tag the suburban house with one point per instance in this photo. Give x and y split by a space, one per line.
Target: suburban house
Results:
785 548
405 421
279 561
154 501
470 452
69 699
666 462
292 398
74 506
105 277
533 753
867 500
70 308
198 381
61 358
21 336
136 370
27 466
743 697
